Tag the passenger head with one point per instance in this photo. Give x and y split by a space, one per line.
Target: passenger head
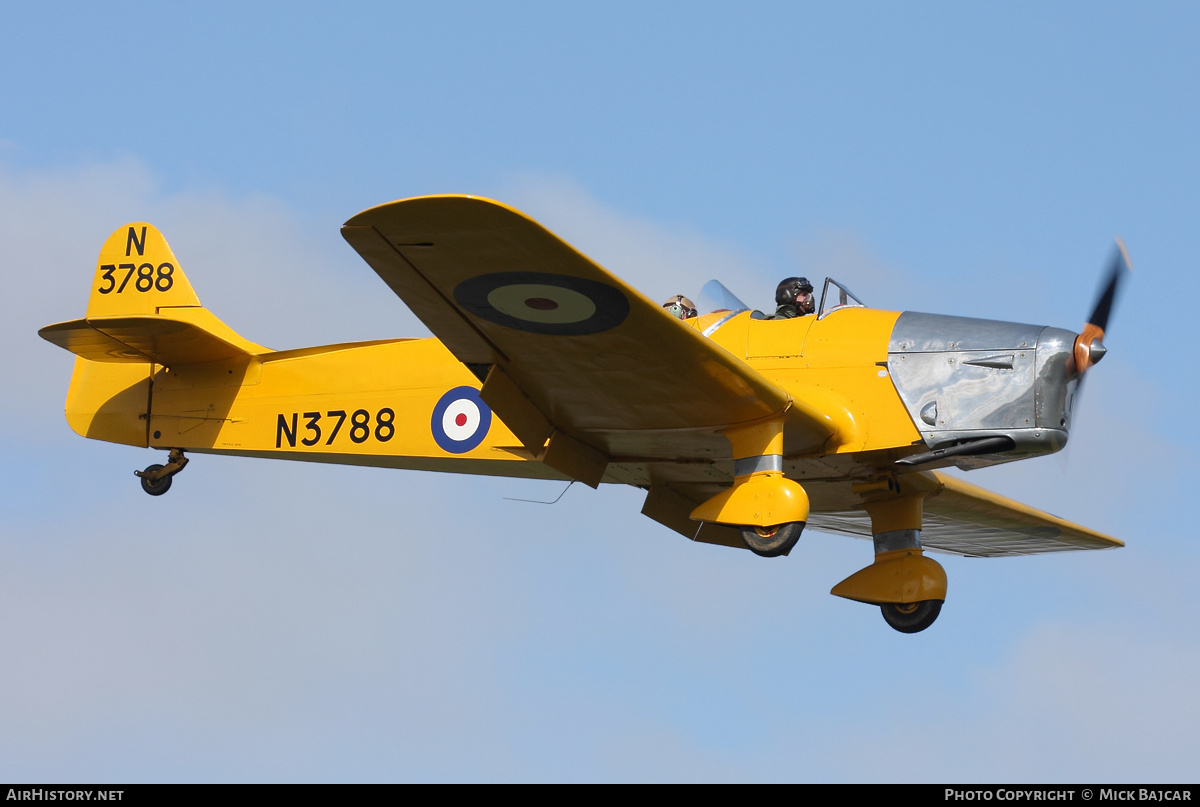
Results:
680 306
796 291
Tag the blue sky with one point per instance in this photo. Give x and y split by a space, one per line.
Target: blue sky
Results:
279 621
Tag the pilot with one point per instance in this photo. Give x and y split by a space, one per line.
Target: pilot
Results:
680 306
794 298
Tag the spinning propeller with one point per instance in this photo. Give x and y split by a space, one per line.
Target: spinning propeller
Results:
1089 345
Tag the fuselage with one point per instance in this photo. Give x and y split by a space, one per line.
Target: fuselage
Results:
893 385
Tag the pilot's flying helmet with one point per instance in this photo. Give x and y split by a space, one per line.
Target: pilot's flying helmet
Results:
680 306
789 289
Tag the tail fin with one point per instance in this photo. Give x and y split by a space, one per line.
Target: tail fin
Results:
137 274
143 309
142 314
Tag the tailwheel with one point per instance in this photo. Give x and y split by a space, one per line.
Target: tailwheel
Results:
156 479
155 487
912 617
772 542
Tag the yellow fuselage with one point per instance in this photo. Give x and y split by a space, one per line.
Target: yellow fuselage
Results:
372 403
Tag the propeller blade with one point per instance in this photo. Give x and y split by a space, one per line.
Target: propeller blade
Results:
1117 271
1089 346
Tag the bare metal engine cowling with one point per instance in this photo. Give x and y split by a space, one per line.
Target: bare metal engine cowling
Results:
969 379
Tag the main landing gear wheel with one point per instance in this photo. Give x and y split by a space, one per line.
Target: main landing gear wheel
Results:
912 617
771 542
156 487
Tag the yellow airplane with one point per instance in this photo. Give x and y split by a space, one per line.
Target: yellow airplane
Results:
741 428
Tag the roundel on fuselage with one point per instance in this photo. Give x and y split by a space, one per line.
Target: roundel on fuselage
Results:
460 420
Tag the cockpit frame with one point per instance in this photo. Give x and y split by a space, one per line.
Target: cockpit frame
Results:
845 299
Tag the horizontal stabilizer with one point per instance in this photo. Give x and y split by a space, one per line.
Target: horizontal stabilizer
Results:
148 337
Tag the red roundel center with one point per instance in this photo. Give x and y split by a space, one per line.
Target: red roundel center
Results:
541 304
460 419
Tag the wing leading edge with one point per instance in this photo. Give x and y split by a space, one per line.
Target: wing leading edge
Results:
568 353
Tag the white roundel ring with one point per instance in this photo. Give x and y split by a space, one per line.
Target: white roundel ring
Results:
460 420
544 303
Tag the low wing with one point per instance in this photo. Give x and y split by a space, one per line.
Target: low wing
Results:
568 353
963 519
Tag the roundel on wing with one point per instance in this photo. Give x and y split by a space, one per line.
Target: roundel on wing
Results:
460 420
539 302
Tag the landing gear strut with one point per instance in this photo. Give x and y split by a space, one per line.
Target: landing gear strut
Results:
908 587
768 509
156 479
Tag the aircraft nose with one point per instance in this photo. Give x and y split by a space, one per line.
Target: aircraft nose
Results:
1057 379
